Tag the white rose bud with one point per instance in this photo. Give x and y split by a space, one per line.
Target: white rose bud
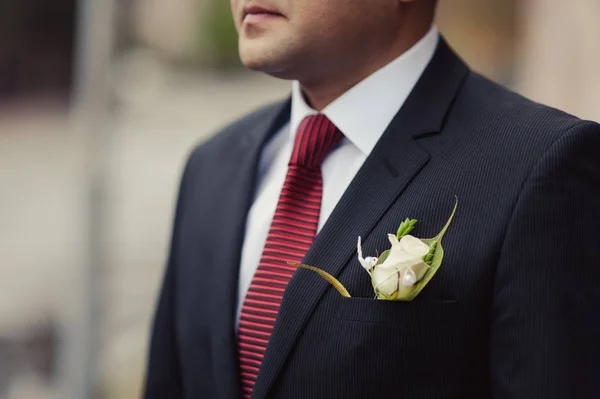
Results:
402 269
405 253
385 281
409 278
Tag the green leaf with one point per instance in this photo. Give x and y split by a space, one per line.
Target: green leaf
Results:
405 227
436 259
439 237
435 265
328 277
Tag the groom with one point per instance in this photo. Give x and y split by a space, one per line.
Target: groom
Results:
384 122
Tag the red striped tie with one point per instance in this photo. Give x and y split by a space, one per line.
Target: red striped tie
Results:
292 232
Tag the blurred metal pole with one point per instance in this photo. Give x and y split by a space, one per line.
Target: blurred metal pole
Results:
91 103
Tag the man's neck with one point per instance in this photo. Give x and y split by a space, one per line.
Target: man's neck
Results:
322 91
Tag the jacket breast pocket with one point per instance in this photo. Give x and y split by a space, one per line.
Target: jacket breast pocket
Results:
369 310
409 340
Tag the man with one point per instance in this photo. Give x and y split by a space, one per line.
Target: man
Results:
385 122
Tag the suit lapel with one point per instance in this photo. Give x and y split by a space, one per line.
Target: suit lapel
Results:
235 200
392 165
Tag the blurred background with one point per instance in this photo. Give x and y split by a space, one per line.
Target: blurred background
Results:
100 102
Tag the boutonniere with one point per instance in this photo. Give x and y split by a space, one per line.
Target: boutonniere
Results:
400 273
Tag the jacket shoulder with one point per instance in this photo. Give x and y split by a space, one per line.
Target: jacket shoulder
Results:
511 114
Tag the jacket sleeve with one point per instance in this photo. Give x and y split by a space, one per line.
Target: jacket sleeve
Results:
545 325
163 372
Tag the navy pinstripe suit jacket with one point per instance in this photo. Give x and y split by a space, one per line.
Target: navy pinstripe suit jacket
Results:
514 312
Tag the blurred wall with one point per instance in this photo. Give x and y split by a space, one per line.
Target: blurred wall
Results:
170 27
559 55
484 33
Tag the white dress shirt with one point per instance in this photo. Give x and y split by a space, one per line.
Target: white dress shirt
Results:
362 114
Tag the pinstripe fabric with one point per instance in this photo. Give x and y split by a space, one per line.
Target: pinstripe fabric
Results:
512 313
292 232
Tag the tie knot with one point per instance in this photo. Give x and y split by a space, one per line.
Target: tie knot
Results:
315 138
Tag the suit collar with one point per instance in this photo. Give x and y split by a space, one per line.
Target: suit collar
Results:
275 116
392 165
235 199
364 112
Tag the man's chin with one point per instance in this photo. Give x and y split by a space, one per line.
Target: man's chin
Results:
266 62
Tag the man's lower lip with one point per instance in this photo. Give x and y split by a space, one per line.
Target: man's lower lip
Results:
260 17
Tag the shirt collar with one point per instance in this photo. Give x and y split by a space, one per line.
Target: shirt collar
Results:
388 88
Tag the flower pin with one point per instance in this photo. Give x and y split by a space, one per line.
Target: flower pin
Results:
400 273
